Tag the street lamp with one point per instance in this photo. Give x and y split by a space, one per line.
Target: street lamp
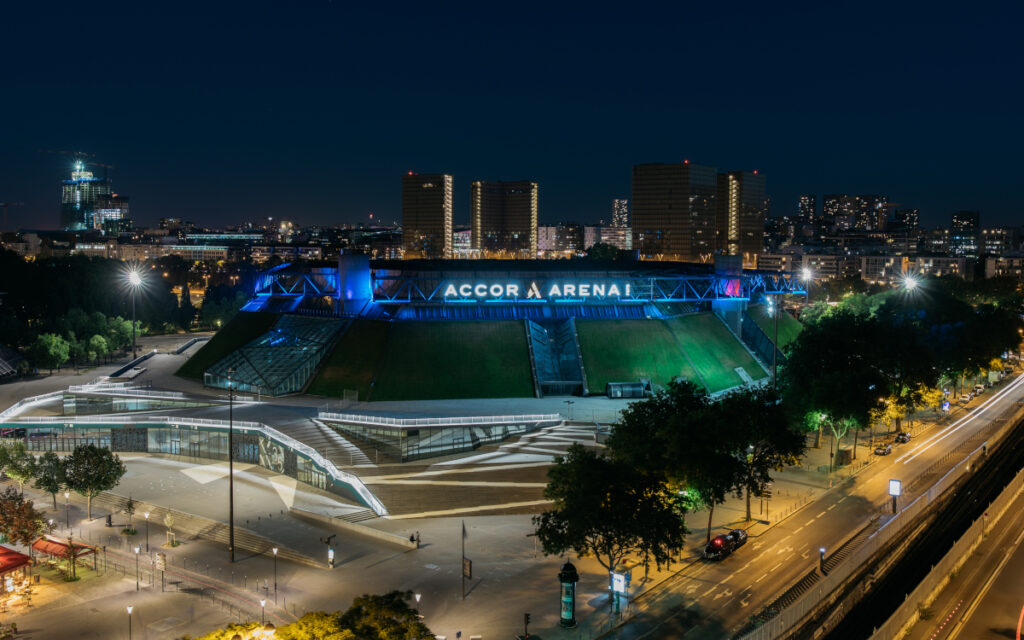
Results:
130 607
231 465
417 596
137 567
821 560
134 281
67 518
263 610
147 531
275 574
806 274
910 282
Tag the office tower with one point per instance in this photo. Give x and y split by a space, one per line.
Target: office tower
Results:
908 218
963 233
427 205
807 207
504 218
742 208
79 196
674 211
865 212
620 213
111 214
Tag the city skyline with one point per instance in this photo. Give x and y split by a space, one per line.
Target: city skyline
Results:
316 126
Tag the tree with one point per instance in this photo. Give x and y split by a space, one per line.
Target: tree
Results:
20 521
91 470
129 510
50 475
758 427
607 509
387 617
19 464
602 251
98 346
316 625
186 310
49 351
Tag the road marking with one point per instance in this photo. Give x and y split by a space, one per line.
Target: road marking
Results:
798 530
761 578
784 539
818 516
772 570
811 521
790 555
832 507
710 591
841 499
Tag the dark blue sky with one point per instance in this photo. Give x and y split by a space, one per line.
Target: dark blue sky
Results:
313 110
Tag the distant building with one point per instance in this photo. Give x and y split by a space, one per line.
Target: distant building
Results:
867 212
807 207
965 229
618 237
427 206
504 218
742 208
1008 265
562 241
996 241
620 213
674 211
111 214
463 244
78 198
909 219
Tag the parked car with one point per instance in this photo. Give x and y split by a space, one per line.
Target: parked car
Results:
965 398
903 437
979 389
883 449
724 544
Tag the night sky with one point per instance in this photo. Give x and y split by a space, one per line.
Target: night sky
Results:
311 111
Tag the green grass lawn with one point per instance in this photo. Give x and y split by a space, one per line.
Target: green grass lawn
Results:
245 327
435 360
627 350
789 327
714 351
352 363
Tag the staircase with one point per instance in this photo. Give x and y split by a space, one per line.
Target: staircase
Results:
555 357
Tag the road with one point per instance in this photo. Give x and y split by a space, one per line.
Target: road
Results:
715 599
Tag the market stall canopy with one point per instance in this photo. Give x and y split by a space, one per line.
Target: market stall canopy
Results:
11 560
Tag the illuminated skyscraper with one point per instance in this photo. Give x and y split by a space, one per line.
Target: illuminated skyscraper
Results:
807 207
742 207
427 204
78 198
964 232
866 212
504 218
674 211
111 214
620 213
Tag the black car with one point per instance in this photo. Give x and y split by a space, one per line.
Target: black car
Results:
883 449
724 544
903 437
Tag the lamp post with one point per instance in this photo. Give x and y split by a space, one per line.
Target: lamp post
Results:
231 466
134 280
147 531
137 567
275 575
130 607
67 518
263 610
821 560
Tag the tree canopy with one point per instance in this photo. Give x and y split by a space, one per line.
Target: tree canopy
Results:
91 470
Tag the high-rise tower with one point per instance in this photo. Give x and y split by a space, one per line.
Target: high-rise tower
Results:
427 205
78 198
674 211
504 218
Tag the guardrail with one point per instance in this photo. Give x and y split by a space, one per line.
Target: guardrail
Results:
384 421
792 615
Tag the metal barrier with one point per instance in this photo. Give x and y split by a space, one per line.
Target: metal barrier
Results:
458 421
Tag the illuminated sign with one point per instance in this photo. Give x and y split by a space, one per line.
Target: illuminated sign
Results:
535 291
618 583
895 488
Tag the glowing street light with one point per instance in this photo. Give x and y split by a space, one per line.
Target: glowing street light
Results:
147 531
263 609
806 274
910 282
67 518
129 607
134 282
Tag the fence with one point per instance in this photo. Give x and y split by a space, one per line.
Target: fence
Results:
385 421
789 617
908 612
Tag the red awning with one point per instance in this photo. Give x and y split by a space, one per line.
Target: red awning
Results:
56 547
11 560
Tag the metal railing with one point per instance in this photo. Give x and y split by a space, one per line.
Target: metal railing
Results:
457 421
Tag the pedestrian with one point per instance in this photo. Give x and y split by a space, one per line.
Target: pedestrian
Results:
417 539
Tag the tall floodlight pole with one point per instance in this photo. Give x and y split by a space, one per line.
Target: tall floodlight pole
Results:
231 465
775 351
134 279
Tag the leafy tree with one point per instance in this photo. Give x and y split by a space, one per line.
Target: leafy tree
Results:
607 509
388 617
129 510
19 463
49 351
759 429
186 311
98 346
602 251
20 521
91 470
50 475
316 625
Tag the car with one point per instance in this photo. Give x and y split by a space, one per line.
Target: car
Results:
979 389
965 398
883 449
903 436
724 544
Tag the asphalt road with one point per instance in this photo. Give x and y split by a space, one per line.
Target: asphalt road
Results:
715 599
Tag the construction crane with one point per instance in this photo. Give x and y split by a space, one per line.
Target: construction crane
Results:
4 205
80 156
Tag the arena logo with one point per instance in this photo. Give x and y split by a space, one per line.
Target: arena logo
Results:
535 292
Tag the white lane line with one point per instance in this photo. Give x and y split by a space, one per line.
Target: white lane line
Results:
818 516
784 539
798 530
790 556
709 591
831 508
809 522
841 499
772 570
761 578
